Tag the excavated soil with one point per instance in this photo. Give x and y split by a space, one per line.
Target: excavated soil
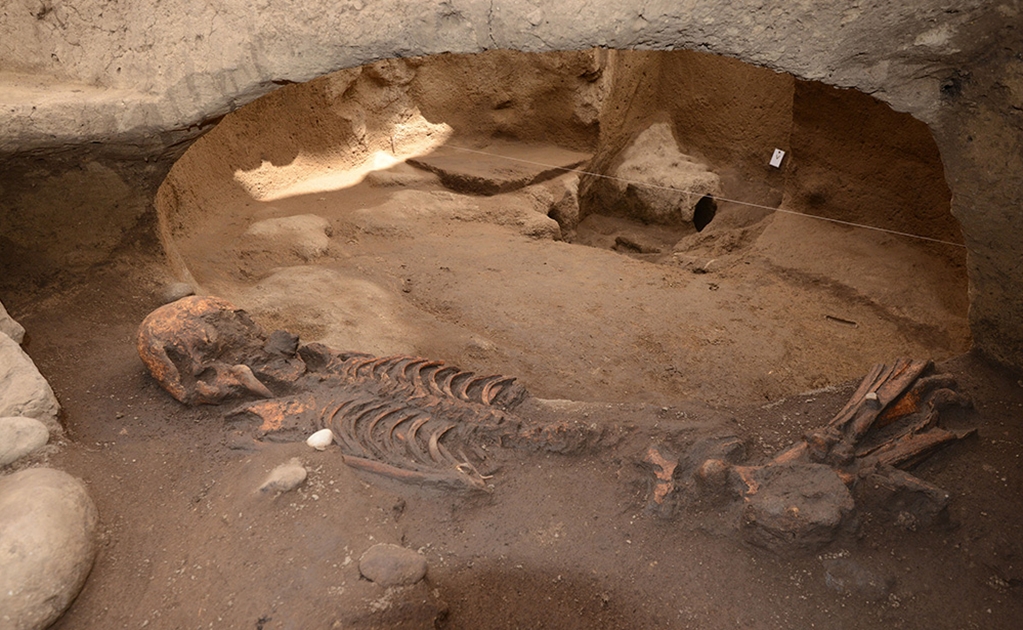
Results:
761 326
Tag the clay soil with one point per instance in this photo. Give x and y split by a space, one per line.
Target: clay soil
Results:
767 342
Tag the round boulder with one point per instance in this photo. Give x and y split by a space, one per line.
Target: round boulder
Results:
391 565
47 545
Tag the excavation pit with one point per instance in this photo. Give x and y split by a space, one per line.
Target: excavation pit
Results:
304 209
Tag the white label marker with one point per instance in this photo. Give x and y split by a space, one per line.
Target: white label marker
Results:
776 159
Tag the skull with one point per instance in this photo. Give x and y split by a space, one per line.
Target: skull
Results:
200 350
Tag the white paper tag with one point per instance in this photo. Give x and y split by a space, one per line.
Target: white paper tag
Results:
776 159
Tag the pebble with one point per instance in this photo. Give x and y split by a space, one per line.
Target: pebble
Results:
47 545
321 439
392 565
285 477
20 436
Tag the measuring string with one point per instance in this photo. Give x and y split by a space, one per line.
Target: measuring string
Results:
714 197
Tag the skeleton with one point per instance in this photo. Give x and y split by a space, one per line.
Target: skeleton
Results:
423 421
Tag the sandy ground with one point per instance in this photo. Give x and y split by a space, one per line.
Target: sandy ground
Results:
799 303
761 326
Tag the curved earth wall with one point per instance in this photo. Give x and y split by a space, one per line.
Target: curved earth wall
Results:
119 90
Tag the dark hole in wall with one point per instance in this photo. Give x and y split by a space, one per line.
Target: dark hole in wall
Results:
704 212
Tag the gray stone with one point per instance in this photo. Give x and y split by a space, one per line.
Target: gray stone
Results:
391 565
797 507
47 546
20 436
286 477
174 291
23 390
9 327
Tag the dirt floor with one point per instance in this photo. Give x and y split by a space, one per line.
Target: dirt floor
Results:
760 325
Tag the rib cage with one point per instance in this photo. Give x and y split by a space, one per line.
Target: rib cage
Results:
414 418
427 377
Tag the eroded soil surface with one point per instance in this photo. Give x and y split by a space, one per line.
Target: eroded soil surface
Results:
766 339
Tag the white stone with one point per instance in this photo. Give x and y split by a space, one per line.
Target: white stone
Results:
20 436
321 439
47 546
285 477
9 327
23 390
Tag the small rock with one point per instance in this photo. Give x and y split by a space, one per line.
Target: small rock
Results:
712 475
9 327
321 439
20 436
47 545
540 227
175 291
391 565
285 477
23 390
